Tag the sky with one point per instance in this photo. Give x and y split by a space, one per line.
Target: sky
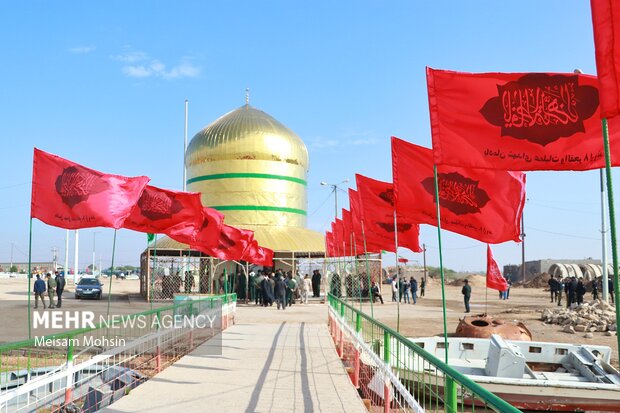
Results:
104 84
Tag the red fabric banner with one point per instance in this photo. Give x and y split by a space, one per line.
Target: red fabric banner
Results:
403 260
377 203
371 244
258 255
479 203
162 211
607 46
329 244
231 245
517 121
495 280
264 257
68 195
207 234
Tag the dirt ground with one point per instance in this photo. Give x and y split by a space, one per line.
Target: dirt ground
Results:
420 320
125 299
524 304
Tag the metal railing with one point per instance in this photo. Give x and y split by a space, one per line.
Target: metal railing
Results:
392 372
87 369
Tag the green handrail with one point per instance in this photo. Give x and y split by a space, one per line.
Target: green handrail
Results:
489 398
67 334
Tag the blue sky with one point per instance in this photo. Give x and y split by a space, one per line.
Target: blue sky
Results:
104 84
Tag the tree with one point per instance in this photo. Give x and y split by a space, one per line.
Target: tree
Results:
13 268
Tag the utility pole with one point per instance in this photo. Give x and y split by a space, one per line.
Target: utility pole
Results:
424 257
54 258
11 267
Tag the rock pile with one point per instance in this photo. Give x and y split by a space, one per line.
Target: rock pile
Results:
588 317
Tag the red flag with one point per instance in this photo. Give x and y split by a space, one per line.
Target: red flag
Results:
329 244
352 248
479 203
231 245
403 260
517 121
607 46
494 276
264 257
68 195
258 255
162 211
206 234
368 241
377 202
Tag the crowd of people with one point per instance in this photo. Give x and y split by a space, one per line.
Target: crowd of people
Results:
406 290
52 287
283 288
574 290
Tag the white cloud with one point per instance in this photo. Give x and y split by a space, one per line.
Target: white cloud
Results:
82 49
347 141
131 57
322 143
150 67
136 71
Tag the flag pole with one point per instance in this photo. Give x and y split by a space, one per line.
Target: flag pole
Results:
612 225
30 283
397 273
372 311
357 272
605 273
443 288
111 272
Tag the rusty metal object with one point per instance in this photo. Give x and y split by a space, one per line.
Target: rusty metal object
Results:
483 326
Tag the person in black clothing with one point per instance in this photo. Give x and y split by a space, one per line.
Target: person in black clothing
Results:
571 286
335 285
280 292
595 289
552 288
316 283
267 291
60 287
580 291
610 288
422 286
376 293
466 291
188 282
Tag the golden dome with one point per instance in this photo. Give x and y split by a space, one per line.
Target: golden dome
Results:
247 133
253 169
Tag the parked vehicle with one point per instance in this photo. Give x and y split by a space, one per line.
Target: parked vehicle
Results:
89 287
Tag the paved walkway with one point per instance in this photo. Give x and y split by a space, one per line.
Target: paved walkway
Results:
285 364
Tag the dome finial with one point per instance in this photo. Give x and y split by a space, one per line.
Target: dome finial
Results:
247 95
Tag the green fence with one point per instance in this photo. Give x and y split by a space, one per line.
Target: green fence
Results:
391 371
91 367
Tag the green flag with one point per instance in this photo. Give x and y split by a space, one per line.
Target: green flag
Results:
150 237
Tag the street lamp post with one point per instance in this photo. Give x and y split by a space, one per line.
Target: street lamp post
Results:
335 191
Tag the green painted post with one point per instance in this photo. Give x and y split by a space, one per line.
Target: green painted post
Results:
386 357
441 273
69 387
358 322
612 226
386 347
342 309
450 399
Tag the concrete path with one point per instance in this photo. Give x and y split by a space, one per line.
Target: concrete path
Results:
286 363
